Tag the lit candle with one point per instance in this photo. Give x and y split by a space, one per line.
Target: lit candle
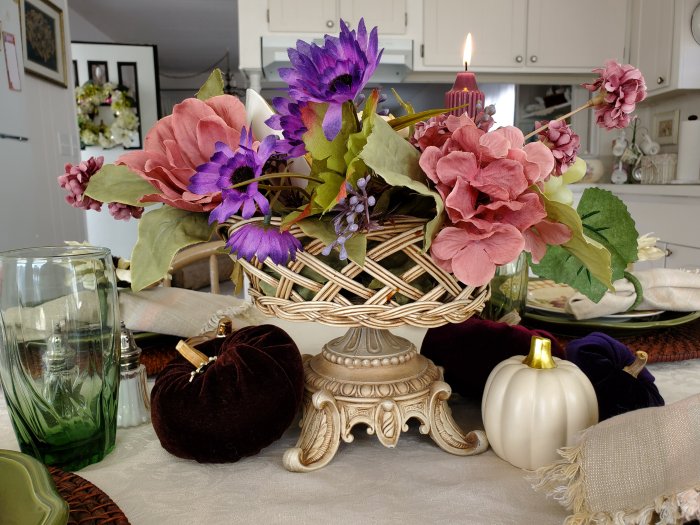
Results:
465 90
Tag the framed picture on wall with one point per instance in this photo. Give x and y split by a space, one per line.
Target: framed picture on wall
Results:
43 40
98 73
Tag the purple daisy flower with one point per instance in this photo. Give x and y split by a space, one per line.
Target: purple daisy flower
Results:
227 168
334 73
288 120
260 240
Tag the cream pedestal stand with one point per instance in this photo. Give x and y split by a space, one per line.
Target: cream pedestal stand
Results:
375 378
368 376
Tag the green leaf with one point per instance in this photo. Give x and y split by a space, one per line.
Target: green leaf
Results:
162 233
606 220
581 262
356 246
320 148
119 184
562 266
214 86
396 161
327 194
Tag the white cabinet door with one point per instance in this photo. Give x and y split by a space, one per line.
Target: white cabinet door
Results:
571 34
306 16
388 15
679 256
497 28
652 41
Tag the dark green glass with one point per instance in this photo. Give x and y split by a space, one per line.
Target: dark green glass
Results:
59 352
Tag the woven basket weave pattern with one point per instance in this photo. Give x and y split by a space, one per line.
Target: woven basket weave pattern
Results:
344 301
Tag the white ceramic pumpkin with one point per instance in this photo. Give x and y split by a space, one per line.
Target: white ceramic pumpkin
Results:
536 404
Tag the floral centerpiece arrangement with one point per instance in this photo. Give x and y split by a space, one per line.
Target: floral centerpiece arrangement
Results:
484 195
93 129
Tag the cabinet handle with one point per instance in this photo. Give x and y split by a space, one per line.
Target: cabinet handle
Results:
533 58
668 253
659 80
330 23
519 59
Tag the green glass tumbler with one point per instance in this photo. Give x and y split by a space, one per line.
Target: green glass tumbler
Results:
508 292
59 352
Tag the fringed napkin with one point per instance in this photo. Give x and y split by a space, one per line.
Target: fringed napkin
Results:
664 289
180 312
641 467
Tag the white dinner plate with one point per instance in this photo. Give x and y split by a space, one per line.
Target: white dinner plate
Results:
551 298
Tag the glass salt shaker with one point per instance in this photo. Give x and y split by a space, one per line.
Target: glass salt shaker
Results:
134 404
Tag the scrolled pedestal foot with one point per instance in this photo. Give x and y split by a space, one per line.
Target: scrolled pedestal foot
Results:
320 435
443 429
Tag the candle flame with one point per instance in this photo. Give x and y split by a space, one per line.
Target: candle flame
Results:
467 55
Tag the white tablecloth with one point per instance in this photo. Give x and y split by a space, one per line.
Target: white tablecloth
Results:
416 482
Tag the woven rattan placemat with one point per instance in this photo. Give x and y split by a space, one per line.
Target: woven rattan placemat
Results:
88 504
674 343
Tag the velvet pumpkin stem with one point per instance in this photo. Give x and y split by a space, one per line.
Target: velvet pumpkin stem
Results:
636 366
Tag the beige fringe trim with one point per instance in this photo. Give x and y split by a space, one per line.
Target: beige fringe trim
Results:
242 311
564 480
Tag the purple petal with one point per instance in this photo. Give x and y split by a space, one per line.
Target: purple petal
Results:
248 207
205 181
333 121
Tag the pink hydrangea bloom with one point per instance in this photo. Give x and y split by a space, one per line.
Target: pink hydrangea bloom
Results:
75 180
620 88
564 143
485 180
180 142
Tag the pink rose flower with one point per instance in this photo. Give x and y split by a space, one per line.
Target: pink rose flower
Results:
485 180
620 88
75 180
180 142
564 143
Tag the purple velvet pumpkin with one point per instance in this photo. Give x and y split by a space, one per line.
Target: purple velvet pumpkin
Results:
468 351
239 404
603 360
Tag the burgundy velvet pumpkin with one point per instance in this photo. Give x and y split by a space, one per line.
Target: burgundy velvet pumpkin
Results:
603 360
239 404
468 351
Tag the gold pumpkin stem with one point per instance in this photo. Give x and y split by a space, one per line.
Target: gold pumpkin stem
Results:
640 361
193 355
540 355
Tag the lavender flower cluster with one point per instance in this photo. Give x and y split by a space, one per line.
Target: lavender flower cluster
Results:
353 215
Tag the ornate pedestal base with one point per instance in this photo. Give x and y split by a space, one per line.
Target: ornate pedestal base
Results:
375 378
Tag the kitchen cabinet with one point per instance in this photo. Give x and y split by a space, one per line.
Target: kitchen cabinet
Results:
652 54
563 36
323 16
662 44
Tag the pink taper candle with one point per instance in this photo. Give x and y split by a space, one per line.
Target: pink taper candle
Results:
465 89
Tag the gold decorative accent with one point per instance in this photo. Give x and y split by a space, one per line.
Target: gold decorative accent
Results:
193 355
640 361
540 355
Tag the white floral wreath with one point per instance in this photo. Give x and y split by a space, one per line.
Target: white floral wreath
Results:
93 130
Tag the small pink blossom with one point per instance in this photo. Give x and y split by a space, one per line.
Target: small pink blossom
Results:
564 143
75 180
484 119
436 130
124 212
620 88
